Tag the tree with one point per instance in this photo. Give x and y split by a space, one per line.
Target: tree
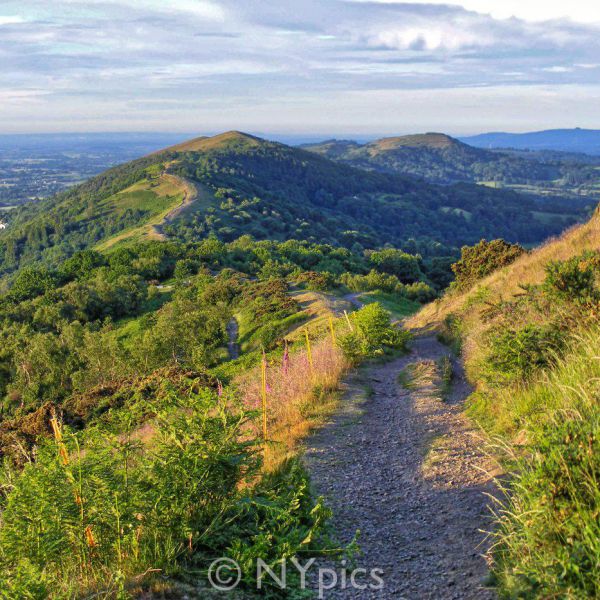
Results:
396 262
32 282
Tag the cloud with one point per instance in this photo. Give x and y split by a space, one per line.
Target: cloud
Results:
10 20
225 55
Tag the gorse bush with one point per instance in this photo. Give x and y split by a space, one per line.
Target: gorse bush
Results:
515 354
373 334
481 259
574 279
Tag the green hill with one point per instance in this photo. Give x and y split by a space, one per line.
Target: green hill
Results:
271 191
562 183
436 157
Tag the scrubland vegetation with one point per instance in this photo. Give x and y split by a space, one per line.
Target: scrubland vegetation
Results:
137 447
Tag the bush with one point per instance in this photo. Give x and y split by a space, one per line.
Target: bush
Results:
515 354
483 258
549 534
313 280
573 280
373 333
418 291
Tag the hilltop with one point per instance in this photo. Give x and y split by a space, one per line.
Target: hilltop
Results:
247 185
436 157
423 140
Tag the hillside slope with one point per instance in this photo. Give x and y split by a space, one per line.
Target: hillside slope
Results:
271 191
508 282
529 334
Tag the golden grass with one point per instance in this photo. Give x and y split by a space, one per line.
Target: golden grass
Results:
504 283
202 144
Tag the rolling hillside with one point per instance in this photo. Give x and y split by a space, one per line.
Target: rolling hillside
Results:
436 157
270 191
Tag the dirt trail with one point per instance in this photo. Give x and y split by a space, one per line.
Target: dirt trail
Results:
189 195
408 470
232 339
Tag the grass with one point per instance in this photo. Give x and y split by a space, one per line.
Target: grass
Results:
425 378
298 398
548 532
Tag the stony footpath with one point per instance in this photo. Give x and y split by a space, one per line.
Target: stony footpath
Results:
401 463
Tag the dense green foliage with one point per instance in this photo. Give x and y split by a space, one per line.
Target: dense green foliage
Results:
372 334
99 508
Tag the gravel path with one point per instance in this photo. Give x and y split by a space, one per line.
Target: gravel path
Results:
407 469
232 339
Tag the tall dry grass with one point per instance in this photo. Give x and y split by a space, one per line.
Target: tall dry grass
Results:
298 398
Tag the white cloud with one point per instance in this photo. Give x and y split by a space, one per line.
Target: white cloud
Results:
10 20
107 61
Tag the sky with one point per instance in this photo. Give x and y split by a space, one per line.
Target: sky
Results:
299 67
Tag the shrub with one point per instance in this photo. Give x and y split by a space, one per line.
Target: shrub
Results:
515 354
483 258
573 279
418 291
373 333
313 280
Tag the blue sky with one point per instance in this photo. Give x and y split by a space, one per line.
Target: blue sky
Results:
328 67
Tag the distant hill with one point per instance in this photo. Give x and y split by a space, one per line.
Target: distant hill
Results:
562 182
586 141
436 157
271 191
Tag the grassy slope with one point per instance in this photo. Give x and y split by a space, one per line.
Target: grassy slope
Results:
506 282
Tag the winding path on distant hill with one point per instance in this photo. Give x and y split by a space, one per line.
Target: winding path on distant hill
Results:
408 469
190 193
